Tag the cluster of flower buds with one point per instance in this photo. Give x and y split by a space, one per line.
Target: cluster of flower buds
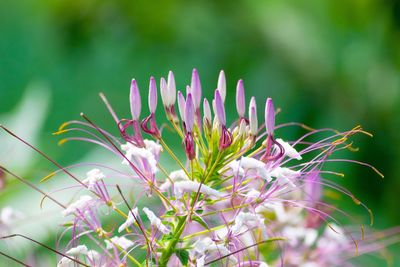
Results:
240 197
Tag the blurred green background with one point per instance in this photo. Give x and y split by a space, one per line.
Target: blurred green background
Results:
325 63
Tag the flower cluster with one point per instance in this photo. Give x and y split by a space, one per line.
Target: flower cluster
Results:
241 196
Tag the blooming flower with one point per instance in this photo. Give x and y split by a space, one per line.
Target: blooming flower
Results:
235 188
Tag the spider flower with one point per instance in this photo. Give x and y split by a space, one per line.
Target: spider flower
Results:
239 196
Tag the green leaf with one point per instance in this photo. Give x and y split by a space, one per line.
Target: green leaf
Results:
200 221
167 237
170 213
183 256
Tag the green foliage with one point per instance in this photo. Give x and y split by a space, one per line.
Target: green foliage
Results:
183 256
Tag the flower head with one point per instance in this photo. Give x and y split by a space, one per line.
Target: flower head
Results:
233 188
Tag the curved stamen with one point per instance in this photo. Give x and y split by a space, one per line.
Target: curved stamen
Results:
153 129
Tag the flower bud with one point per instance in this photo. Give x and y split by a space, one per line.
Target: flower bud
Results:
207 111
242 128
164 93
220 109
189 113
253 121
135 101
196 89
181 105
222 85
269 117
152 95
240 99
171 88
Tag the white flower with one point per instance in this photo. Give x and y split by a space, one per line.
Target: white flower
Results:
93 177
80 204
253 194
121 242
235 168
263 264
175 176
152 146
130 220
285 176
201 261
255 165
251 163
155 221
204 247
79 250
64 262
289 150
191 186
149 153
245 221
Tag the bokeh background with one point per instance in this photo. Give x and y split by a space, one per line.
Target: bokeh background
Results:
325 63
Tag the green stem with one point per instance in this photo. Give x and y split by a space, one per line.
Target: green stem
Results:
170 249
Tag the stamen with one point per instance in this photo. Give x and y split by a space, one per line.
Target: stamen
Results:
14 259
47 247
43 154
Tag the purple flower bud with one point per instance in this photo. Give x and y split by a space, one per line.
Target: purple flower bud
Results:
220 109
222 85
189 146
207 111
240 99
269 116
181 105
196 89
189 113
226 138
253 121
136 103
152 95
171 88
164 92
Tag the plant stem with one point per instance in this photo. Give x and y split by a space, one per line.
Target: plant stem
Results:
170 249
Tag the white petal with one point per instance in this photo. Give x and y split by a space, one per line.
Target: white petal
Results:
64 262
175 176
285 176
93 177
149 153
130 220
246 220
191 186
235 167
155 221
200 261
289 150
251 163
79 250
80 204
122 242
